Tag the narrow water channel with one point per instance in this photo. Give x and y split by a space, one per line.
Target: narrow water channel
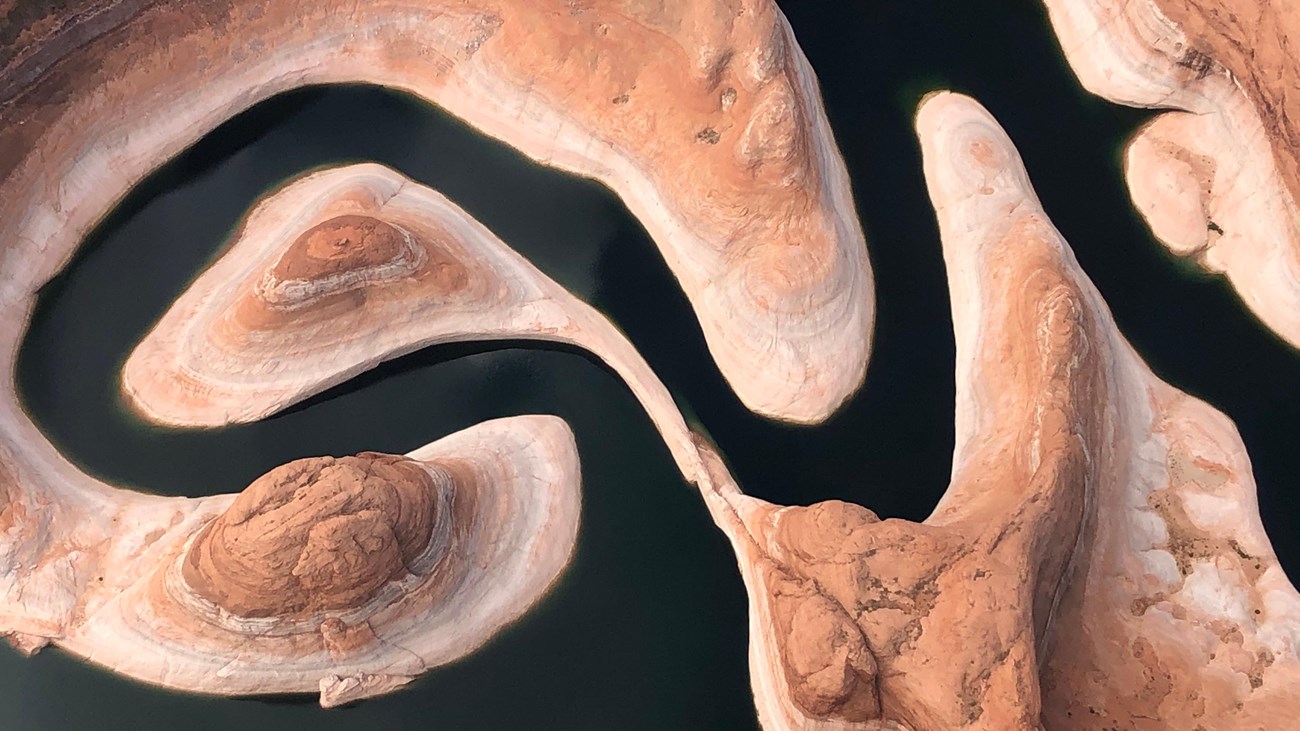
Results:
647 628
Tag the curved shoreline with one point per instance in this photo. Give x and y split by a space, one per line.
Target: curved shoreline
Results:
1217 180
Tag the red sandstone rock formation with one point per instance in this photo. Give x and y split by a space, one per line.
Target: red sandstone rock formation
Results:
704 116
1098 560
348 576
1219 178
343 269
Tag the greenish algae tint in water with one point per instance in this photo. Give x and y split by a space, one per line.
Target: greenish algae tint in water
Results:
647 627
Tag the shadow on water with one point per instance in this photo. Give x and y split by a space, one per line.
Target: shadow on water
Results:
427 358
206 156
292 699
646 630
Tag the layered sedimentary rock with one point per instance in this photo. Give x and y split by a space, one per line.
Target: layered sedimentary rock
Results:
704 117
1219 179
1098 559
344 576
343 269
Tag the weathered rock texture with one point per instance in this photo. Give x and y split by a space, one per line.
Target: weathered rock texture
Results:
341 270
1218 180
705 117
1098 560
348 576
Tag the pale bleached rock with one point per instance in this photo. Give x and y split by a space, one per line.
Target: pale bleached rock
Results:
1098 559
341 270
347 577
1219 180
705 118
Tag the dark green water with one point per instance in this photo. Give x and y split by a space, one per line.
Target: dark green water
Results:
646 630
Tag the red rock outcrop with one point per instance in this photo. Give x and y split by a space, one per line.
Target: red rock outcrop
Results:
705 117
345 268
1219 178
1097 561
345 576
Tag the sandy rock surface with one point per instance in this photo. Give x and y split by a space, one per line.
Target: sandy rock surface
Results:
1097 561
1218 179
347 576
705 118
341 270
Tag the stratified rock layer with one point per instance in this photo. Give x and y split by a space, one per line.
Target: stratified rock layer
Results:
705 117
1219 180
345 576
317 534
1098 560
345 268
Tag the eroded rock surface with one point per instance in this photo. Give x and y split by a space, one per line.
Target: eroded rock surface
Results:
316 534
1218 180
1097 561
345 268
704 116
345 576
